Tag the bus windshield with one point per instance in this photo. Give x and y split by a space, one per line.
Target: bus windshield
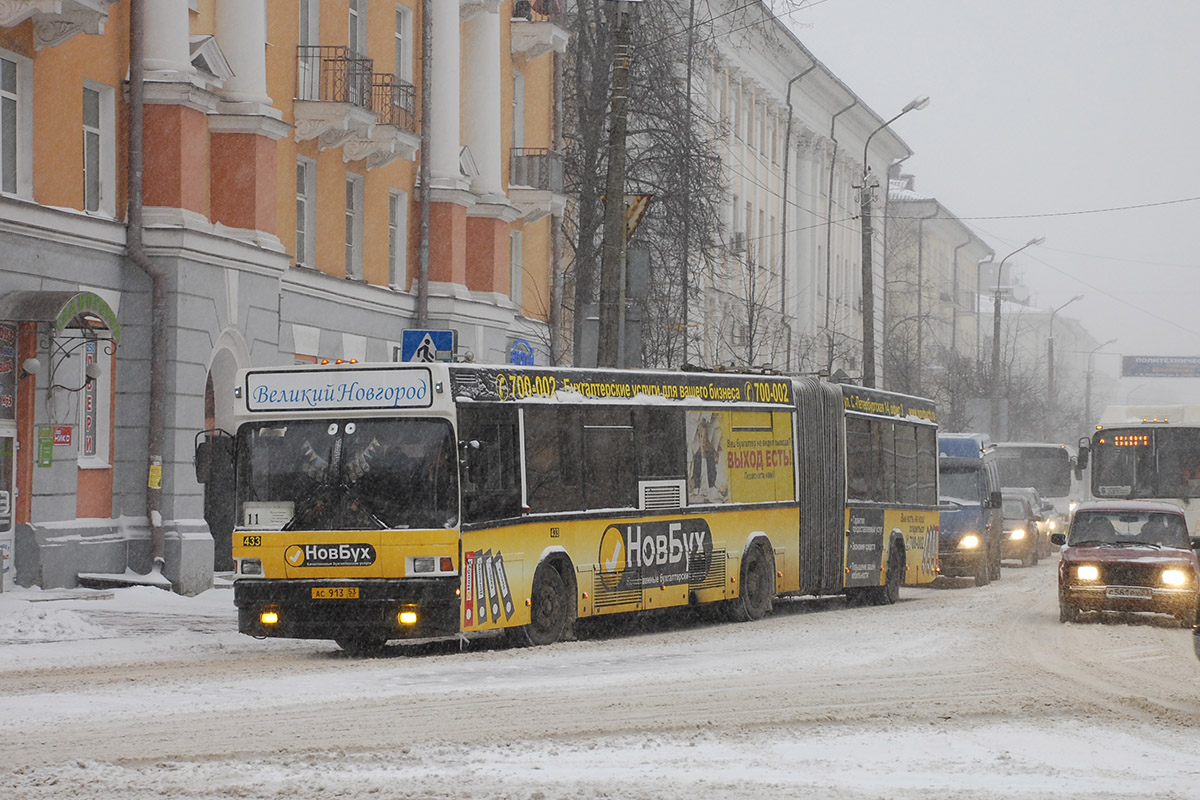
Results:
1047 469
333 474
1146 463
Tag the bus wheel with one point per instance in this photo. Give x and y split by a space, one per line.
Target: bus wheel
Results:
758 586
548 613
363 643
889 593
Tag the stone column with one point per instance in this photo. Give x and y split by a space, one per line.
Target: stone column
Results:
482 92
167 50
240 27
444 117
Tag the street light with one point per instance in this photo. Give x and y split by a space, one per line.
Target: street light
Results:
868 273
996 337
1087 396
1050 351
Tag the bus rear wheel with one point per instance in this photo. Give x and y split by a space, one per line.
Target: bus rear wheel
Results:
758 586
889 593
549 609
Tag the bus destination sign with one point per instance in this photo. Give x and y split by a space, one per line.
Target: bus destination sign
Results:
342 390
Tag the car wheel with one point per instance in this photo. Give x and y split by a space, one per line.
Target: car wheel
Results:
995 574
983 569
1067 612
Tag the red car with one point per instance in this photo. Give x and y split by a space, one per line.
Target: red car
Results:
1128 555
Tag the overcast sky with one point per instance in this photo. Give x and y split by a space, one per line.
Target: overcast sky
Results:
1043 114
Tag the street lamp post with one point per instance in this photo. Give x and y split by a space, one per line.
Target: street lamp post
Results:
1087 396
868 271
996 337
1050 359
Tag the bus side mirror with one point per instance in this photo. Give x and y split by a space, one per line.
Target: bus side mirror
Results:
1081 460
211 446
203 461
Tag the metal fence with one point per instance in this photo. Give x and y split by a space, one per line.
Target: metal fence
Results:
395 101
537 167
334 74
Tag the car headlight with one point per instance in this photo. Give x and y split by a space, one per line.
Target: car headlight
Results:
968 542
1087 572
1174 577
1053 525
1018 533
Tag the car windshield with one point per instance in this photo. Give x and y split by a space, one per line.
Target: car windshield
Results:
1014 509
334 474
959 484
1155 529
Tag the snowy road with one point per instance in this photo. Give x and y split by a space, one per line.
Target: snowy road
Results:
956 691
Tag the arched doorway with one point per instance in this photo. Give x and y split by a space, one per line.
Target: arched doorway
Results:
220 509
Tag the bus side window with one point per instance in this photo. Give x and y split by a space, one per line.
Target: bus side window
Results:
927 473
491 462
552 459
609 465
660 438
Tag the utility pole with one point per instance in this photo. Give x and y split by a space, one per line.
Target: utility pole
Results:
612 272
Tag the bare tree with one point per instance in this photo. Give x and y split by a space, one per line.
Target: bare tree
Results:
672 153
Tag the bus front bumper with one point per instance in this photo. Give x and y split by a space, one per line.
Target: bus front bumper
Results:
343 609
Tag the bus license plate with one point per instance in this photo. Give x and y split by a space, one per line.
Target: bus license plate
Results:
335 593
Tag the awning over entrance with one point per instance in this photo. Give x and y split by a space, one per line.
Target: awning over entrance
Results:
79 310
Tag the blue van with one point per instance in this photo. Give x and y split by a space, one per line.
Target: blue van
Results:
972 521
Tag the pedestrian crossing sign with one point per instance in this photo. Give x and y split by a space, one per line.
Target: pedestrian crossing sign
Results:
426 346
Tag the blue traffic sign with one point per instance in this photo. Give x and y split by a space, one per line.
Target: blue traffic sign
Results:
428 346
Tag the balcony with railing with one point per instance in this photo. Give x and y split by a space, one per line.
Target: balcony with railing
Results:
536 30
535 182
333 95
56 22
395 133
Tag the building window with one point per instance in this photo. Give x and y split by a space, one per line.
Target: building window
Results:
404 43
398 239
306 211
518 127
99 150
516 265
16 125
354 226
357 27
91 149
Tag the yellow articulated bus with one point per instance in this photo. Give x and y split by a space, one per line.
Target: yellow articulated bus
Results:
390 501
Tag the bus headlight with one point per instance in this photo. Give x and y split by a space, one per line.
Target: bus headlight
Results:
968 542
269 617
250 566
1087 572
407 617
1174 577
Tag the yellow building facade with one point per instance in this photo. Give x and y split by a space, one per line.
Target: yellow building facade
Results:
281 158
